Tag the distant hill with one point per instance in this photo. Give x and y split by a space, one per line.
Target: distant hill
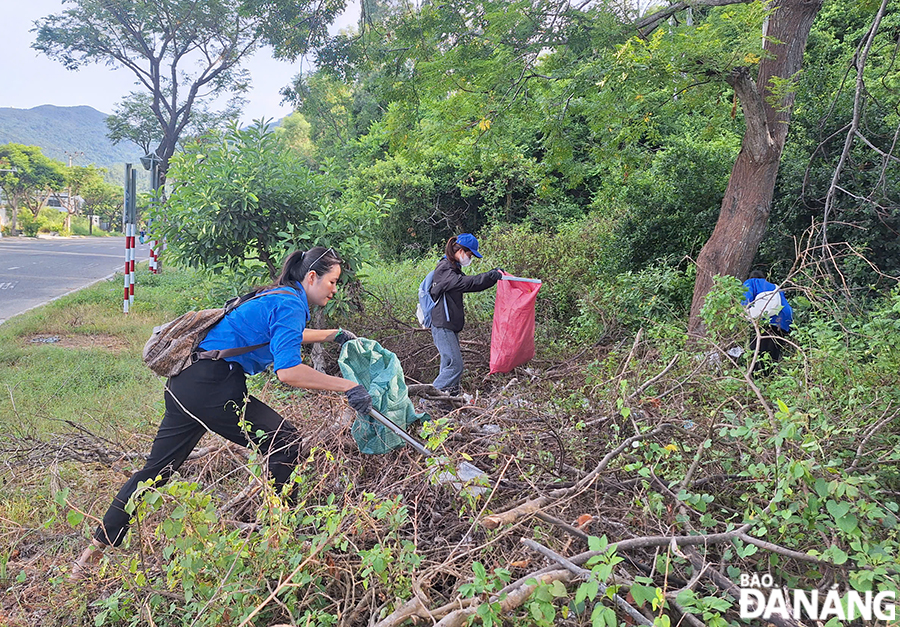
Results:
74 129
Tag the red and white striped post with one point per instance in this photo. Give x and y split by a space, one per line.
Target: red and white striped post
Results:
155 249
126 302
130 230
132 262
129 266
151 162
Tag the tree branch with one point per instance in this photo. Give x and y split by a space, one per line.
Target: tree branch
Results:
652 21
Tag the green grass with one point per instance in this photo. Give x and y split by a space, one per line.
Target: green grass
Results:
94 375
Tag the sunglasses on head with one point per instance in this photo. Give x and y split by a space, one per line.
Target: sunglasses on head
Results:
328 250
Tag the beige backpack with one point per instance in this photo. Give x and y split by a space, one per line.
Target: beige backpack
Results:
172 347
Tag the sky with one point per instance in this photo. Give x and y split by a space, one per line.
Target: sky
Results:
29 79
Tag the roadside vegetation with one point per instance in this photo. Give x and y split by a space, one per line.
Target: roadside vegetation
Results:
614 440
637 471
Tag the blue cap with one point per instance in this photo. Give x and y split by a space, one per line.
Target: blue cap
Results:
468 241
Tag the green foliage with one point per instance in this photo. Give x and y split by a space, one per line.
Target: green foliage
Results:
541 606
523 120
59 129
133 120
103 200
722 311
242 197
670 207
484 584
27 177
631 300
569 262
295 132
51 219
213 574
29 224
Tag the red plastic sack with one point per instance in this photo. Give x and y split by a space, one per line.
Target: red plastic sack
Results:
512 337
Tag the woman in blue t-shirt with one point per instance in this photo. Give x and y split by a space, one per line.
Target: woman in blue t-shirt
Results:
211 394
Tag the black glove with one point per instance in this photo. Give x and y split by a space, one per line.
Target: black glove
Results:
495 275
359 399
344 336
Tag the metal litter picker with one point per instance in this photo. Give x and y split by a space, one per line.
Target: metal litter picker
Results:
464 472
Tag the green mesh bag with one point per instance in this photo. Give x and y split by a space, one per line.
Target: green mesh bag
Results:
366 362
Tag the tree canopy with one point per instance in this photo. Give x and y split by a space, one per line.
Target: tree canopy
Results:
182 52
469 114
27 178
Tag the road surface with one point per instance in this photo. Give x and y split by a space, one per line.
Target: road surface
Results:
34 271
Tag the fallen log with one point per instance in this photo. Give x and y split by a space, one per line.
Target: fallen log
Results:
457 613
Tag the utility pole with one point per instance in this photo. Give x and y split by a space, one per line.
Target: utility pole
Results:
70 208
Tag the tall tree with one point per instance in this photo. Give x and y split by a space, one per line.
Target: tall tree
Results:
28 178
766 103
78 180
101 199
182 52
133 120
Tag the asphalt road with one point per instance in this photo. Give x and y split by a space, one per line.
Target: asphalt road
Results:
34 271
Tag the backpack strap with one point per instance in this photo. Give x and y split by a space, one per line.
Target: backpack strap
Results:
230 306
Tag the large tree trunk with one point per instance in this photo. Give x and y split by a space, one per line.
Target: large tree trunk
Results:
745 207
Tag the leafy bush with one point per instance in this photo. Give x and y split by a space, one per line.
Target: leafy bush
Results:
51 220
214 574
81 226
242 197
28 224
631 300
569 261
670 208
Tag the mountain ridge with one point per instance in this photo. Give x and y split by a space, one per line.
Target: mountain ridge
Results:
78 129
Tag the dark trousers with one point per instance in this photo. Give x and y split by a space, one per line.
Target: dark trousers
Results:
215 393
771 343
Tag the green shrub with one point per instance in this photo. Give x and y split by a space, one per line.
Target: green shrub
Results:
81 226
51 220
670 208
569 261
27 223
631 300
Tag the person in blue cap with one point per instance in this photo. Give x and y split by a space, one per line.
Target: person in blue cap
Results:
779 325
450 283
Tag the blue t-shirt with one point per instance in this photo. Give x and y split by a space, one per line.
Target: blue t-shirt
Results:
783 318
277 318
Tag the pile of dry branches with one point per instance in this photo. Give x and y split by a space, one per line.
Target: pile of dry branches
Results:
560 470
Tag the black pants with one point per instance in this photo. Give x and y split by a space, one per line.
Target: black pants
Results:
771 343
214 392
